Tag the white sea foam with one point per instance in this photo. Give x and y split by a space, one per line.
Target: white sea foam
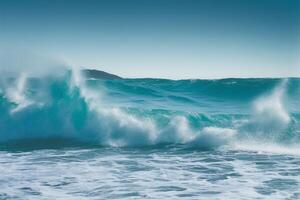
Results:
111 125
266 147
213 137
270 109
16 94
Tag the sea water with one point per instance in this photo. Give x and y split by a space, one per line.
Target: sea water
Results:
67 137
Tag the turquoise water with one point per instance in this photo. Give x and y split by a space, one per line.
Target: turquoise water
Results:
65 137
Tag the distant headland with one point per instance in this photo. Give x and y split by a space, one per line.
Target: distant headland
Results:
98 74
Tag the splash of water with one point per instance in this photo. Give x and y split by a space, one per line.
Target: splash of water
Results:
71 108
15 93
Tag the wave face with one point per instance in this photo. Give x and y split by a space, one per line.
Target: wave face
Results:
67 109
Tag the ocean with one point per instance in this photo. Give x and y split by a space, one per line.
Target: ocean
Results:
64 136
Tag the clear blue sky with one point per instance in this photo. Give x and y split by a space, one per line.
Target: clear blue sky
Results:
159 38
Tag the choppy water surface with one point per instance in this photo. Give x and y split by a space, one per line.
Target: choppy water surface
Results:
65 137
164 173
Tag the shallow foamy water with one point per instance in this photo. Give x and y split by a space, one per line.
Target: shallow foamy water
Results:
161 173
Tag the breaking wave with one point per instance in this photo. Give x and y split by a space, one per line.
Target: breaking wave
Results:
69 109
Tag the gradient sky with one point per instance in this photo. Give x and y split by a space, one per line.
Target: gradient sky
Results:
159 38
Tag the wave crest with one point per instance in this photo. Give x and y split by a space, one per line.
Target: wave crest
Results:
74 109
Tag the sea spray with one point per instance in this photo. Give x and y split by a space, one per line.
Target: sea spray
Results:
270 119
15 93
69 109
